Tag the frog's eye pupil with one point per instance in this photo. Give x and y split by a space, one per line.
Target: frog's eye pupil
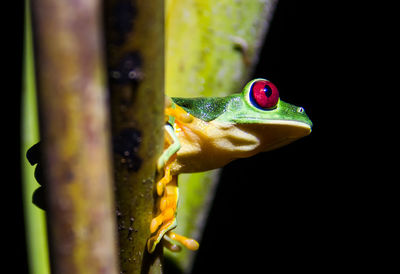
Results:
268 90
264 95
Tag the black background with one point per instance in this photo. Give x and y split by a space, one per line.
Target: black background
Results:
14 258
313 206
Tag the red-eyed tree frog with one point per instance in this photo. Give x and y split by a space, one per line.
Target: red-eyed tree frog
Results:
207 133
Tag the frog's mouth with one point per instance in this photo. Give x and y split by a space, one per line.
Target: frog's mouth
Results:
259 121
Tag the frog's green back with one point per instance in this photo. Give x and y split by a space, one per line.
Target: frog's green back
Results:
204 108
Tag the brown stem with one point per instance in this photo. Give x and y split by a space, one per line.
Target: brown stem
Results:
75 136
135 55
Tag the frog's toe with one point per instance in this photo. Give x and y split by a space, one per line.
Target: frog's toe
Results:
160 187
151 244
164 180
187 242
155 223
167 214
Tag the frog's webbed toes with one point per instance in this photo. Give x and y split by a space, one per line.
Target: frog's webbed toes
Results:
159 232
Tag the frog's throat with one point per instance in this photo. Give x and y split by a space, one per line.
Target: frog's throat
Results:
210 145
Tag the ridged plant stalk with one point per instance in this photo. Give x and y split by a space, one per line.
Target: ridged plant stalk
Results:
75 135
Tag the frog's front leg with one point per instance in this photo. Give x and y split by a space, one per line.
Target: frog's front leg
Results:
167 189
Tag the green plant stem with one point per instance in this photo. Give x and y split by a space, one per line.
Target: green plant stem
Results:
35 218
135 57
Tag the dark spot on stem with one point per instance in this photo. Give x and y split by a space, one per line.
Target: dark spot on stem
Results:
126 144
128 70
122 19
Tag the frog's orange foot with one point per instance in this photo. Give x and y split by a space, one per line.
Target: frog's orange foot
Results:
168 242
165 220
159 234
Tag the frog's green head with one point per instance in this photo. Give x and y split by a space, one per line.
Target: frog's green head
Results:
257 110
259 103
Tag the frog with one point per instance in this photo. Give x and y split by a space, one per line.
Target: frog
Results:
206 133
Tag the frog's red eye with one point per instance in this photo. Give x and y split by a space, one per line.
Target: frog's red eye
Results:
264 94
